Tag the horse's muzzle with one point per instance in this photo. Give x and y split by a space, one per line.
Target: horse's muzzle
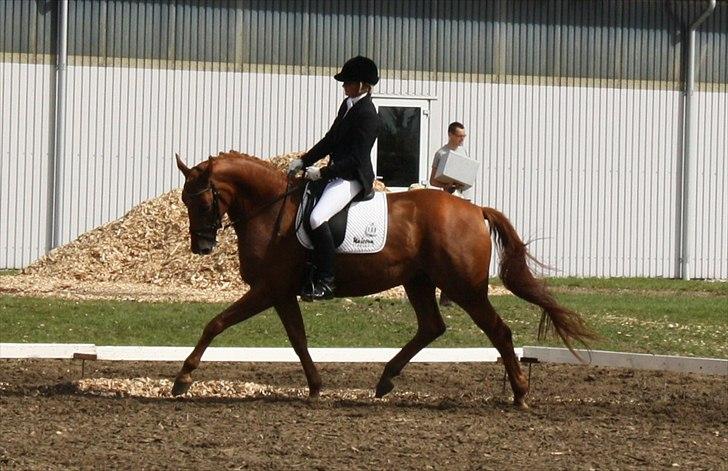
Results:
202 245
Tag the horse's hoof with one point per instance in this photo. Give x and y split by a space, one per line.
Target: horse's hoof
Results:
180 387
521 404
383 387
314 394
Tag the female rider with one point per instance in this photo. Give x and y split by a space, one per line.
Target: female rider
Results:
349 171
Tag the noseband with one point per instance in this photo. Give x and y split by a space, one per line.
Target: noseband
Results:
209 230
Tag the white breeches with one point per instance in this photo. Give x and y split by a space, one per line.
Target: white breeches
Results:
336 196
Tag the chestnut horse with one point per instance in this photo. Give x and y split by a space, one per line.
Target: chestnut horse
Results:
434 240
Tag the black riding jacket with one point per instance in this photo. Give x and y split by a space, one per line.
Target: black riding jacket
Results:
349 143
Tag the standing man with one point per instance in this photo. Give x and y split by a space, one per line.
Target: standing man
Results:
455 137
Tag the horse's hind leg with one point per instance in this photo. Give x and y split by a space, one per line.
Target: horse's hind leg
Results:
485 316
421 293
290 313
246 307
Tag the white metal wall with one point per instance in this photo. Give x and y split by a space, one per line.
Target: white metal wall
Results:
588 173
25 140
573 108
710 241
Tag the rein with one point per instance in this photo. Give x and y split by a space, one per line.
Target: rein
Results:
216 207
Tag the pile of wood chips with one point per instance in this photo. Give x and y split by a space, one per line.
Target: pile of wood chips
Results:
148 246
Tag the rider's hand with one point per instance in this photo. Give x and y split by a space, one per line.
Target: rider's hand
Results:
294 167
313 173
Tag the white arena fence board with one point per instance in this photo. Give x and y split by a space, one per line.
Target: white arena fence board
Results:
638 361
45 350
242 354
285 355
642 361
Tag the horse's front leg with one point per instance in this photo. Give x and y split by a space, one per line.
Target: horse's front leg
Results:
253 302
290 313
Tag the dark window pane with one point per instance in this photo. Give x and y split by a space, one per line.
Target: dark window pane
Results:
398 151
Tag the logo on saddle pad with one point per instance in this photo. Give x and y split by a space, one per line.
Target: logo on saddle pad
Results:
366 227
370 232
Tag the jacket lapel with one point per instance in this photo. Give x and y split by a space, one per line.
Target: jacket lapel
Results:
342 110
343 119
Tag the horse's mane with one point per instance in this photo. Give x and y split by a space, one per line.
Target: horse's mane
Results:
256 165
234 154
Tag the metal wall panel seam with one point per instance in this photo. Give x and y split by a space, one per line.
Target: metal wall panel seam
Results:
38 133
13 197
5 216
31 152
280 138
148 164
572 220
82 126
84 149
8 199
27 158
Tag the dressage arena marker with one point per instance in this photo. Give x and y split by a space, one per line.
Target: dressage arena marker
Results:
523 359
83 357
529 355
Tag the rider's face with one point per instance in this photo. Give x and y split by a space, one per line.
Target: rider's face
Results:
351 89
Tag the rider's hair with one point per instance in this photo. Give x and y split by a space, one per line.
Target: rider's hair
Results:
365 87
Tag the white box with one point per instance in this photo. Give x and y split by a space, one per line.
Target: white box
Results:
455 167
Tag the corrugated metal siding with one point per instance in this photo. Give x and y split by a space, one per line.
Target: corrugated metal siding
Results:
573 108
587 172
710 250
26 91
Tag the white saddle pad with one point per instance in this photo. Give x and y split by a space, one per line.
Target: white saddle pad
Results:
366 227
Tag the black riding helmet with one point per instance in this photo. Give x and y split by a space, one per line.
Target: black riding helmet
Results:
359 69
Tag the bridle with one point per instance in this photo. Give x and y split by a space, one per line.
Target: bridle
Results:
209 230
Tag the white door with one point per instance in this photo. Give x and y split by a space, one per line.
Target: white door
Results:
399 156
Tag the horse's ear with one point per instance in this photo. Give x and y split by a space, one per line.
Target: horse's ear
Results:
182 167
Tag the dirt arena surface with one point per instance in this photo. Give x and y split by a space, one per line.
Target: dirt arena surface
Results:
440 416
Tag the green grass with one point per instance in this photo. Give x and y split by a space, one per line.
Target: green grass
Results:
670 318
663 285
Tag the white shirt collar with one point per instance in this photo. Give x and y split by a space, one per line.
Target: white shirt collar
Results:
352 101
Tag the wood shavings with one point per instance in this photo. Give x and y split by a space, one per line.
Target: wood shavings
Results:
162 388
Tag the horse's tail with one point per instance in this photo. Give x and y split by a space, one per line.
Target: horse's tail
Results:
518 278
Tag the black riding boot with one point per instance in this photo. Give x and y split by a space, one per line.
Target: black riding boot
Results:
324 252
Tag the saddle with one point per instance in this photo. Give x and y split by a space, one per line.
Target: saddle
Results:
361 227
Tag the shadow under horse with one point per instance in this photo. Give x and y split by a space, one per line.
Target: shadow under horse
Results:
434 240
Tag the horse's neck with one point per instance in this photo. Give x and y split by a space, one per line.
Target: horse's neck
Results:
255 185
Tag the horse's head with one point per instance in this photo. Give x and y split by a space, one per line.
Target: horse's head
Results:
205 206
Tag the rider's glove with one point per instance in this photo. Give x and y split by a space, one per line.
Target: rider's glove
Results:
313 173
294 167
